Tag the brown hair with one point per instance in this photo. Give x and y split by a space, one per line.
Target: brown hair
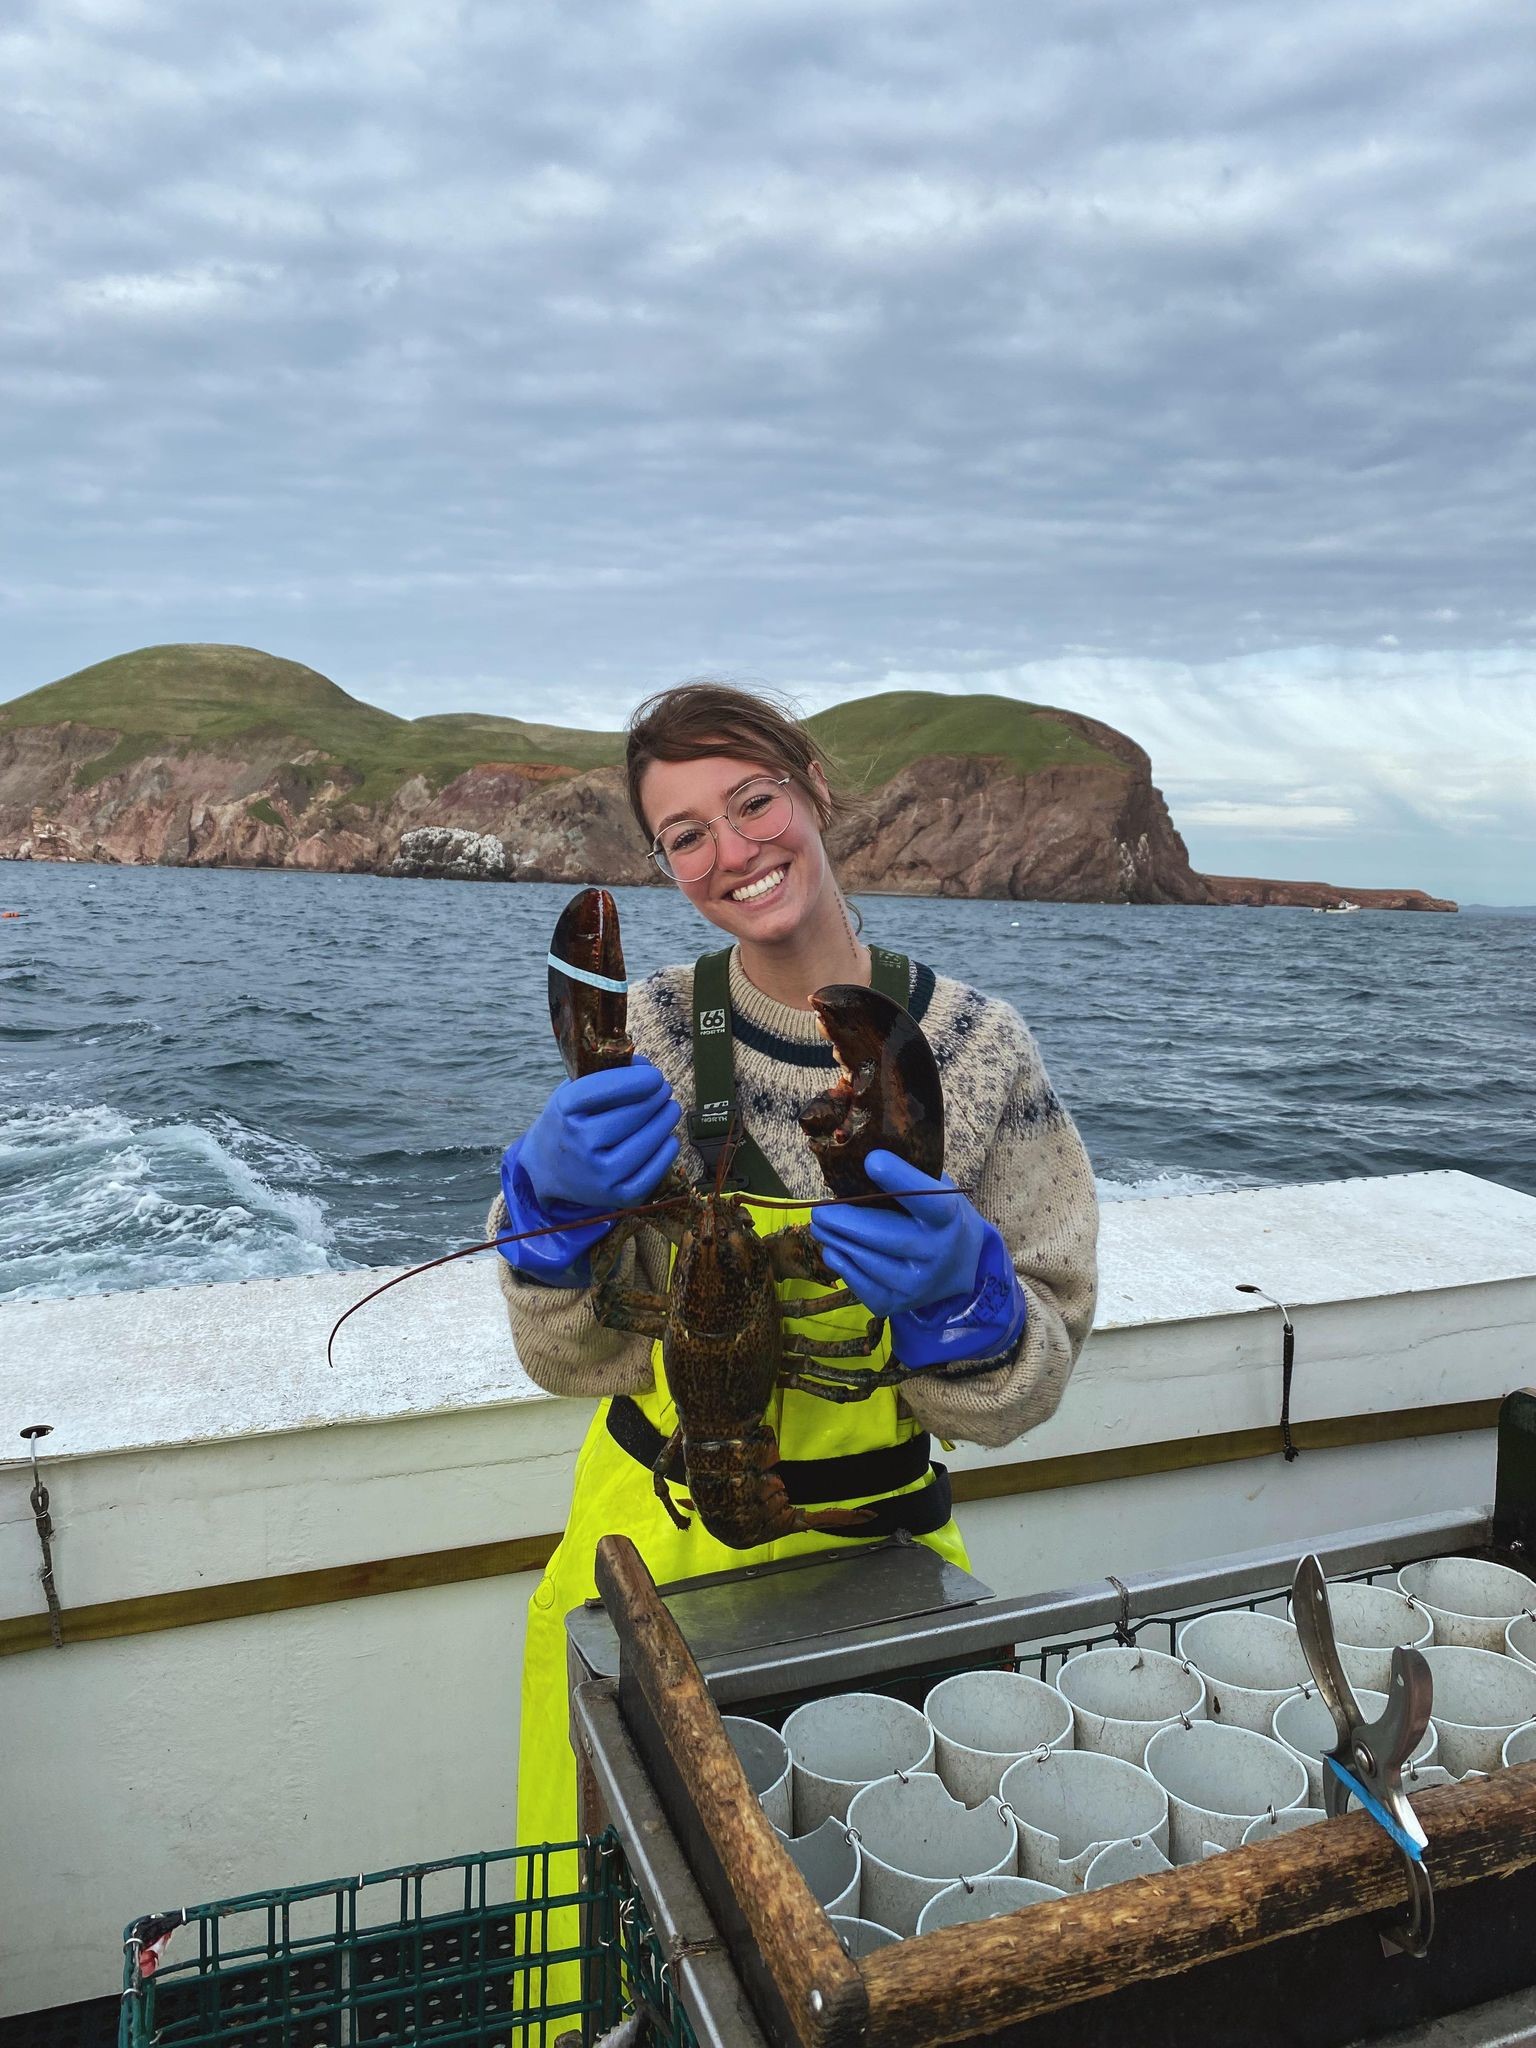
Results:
693 720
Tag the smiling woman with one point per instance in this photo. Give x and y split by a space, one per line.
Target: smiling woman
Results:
984 1287
734 796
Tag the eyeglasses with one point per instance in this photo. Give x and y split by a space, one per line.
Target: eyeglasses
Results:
686 850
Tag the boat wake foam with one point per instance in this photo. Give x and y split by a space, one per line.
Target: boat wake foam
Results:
89 1193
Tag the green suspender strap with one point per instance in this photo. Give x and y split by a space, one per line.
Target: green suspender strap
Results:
714 1071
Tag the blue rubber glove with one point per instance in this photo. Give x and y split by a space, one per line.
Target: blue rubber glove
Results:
935 1268
599 1144
556 1257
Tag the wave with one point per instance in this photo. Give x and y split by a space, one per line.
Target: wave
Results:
1155 1184
92 1199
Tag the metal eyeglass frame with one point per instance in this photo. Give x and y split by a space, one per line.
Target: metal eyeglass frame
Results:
784 782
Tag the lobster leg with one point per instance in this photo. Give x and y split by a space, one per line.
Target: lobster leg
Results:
616 1304
621 1308
842 1347
795 1255
823 1304
838 1518
670 1450
844 1386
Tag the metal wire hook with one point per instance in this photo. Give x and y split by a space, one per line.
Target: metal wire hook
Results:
1123 1635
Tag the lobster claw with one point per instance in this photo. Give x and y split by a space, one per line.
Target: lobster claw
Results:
588 1004
887 1096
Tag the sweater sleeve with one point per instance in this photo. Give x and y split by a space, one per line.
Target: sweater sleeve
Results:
562 1346
1033 1180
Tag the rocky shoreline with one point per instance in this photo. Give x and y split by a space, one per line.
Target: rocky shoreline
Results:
1064 809
958 825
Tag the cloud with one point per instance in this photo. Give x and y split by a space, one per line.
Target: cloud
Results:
1298 820
1313 746
557 355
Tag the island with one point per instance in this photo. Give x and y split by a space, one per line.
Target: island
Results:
195 755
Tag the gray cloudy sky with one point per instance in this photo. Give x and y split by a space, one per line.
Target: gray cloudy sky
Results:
1173 363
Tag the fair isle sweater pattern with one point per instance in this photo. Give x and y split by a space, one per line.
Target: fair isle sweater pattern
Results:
1008 1142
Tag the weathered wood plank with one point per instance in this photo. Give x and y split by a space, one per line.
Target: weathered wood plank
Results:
192 1606
792 1942
963 1982
1220 1447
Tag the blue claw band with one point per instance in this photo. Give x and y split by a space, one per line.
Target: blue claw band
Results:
559 1257
1376 1810
988 1324
572 973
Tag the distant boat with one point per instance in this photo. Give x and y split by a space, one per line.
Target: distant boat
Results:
1334 909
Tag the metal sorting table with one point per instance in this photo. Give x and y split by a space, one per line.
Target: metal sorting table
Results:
1272 1944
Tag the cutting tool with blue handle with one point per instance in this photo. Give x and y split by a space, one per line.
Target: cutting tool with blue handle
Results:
1367 1763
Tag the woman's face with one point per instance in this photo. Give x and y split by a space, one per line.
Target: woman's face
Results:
732 895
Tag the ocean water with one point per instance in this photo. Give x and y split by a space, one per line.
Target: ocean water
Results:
210 1075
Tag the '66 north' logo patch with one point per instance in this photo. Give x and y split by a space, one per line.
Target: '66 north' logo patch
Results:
714 1112
711 1020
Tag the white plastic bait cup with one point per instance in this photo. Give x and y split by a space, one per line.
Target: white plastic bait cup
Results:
1219 1778
840 1744
1520 1639
1120 1698
862 1937
916 1841
828 1859
1071 1803
765 1759
1426 1777
1250 1663
1470 1601
1122 1860
1520 1746
983 1898
1269 1825
1305 1727
1480 1698
985 1720
1369 1622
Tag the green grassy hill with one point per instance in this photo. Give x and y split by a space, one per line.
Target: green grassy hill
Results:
873 738
166 699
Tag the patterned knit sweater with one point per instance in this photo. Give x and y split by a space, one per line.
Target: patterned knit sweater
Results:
1008 1143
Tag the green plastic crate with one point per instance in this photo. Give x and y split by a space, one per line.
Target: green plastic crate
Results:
457 1953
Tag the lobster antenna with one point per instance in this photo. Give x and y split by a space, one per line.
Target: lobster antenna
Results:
847 1201
468 1252
735 1131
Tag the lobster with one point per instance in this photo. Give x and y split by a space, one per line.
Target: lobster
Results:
720 1323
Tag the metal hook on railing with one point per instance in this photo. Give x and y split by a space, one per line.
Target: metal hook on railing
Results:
1287 1364
42 1516
1123 1634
